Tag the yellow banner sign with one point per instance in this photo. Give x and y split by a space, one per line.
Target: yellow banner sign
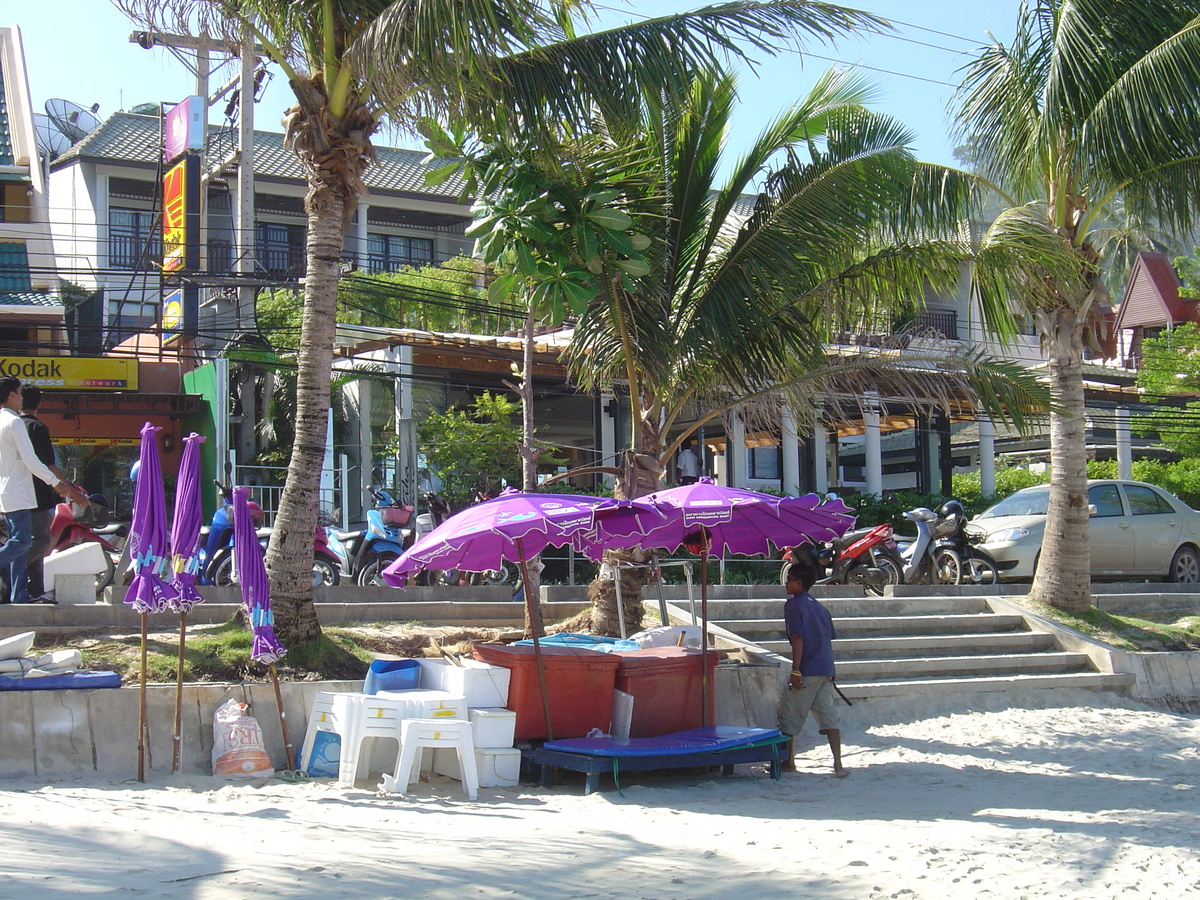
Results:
97 442
62 373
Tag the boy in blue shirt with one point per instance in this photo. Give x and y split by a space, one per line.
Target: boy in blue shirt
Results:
809 687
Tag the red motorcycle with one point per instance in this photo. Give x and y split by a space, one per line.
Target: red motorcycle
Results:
73 524
868 557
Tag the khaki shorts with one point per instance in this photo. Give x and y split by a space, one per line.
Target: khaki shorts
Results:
817 697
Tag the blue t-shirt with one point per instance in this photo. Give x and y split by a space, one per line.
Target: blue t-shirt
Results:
804 616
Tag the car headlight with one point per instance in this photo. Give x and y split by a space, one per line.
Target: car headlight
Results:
1006 535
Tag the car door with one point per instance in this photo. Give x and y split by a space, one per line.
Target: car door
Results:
1159 528
1111 532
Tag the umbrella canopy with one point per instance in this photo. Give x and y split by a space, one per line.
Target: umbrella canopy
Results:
149 591
738 521
252 576
513 526
185 526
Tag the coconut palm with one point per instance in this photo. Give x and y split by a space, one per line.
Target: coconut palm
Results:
826 224
1093 102
502 66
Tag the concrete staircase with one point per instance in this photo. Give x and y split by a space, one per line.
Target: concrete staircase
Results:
908 646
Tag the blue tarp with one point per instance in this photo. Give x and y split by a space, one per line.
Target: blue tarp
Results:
694 740
79 681
586 642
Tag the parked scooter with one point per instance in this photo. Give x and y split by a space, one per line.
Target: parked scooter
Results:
72 525
924 560
951 536
388 534
865 557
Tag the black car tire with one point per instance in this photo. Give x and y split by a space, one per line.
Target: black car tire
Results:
1185 566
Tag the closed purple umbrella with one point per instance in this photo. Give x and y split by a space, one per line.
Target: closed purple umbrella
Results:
185 527
252 576
149 591
185 564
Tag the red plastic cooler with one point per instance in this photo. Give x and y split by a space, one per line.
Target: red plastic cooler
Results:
665 684
579 684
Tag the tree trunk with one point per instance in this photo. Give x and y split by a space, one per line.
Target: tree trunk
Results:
290 554
1063 576
534 624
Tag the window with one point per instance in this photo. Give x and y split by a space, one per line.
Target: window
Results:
280 248
15 205
389 252
1107 500
134 239
1145 502
763 463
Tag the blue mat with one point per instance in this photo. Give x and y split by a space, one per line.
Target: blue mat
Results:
80 681
695 740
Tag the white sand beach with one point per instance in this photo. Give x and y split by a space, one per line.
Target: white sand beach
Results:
1049 794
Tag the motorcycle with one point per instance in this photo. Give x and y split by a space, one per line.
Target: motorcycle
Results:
923 559
387 536
72 524
865 557
951 535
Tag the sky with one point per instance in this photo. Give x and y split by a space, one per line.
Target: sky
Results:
79 50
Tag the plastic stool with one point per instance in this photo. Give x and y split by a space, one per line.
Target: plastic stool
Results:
357 717
416 734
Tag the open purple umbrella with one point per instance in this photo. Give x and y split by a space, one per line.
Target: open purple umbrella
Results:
185 563
510 528
149 591
256 599
706 517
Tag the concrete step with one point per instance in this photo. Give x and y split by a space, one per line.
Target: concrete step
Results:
939 645
735 610
925 687
878 670
863 626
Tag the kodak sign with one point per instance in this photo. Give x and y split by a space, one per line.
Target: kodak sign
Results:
61 373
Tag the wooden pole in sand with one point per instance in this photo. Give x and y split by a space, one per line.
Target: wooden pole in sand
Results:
535 618
141 767
177 750
287 741
704 685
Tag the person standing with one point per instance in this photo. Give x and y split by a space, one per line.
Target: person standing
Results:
19 465
47 499
809 686
687 464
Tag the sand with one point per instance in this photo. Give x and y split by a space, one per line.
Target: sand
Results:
1047 794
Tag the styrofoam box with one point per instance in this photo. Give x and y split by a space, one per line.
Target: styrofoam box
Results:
422 703
497 766
482 684
492 727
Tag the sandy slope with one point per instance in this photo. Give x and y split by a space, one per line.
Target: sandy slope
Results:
1053 794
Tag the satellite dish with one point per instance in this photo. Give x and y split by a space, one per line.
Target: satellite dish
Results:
71 119
50 141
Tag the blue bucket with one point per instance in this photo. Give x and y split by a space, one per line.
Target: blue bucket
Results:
392 675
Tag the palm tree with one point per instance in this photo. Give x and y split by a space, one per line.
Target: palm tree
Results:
503 67
826 222
1093 102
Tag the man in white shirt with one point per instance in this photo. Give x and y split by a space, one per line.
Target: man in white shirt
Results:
18 466
687 464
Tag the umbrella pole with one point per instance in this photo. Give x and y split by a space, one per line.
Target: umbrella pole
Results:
287 741
178 736
537 647
704 685
141 765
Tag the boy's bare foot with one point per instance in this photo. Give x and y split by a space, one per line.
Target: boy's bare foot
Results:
840 772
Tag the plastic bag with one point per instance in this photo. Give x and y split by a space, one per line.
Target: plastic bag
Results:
238 750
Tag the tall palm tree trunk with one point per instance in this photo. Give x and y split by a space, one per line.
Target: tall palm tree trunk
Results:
291 547
1063 577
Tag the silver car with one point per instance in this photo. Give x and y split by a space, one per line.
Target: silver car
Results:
1136 530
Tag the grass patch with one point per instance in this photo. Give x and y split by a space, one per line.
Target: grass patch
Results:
222 652
1157 630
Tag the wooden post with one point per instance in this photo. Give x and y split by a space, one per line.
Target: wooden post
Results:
177 750
531 605
141 764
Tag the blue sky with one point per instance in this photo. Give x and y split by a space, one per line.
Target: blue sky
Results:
79 50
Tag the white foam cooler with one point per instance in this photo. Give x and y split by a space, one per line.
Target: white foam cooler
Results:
481 684
492 728
497 766
86 558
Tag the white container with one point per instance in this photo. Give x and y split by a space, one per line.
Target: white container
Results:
492 728
86 558
497 766
483 685
421 703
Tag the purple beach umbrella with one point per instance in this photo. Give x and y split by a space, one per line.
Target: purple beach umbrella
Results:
150 591
252 576
185 527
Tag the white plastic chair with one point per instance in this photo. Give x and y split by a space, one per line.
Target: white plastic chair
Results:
357 717
417 734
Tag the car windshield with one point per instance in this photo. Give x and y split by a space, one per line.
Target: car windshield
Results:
1029 502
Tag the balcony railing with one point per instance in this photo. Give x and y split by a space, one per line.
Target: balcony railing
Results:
896 332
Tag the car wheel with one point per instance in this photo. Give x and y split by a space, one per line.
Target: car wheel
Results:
1185 566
